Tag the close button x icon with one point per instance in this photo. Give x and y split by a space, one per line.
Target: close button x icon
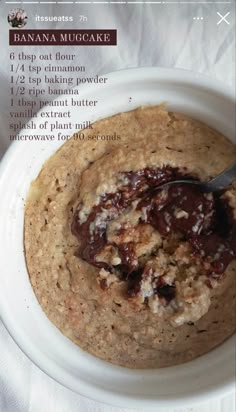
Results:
223 18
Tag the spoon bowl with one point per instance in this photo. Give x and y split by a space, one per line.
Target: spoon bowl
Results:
219 182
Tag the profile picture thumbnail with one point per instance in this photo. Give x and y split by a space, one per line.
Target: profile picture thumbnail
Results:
17 18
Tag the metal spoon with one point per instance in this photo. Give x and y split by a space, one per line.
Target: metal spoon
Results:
219 182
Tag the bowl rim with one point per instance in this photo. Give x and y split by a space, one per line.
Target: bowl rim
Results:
166 74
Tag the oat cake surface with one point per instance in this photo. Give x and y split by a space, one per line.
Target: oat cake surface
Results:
104 322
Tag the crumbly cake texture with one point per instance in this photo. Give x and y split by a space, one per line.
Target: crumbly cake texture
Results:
104 322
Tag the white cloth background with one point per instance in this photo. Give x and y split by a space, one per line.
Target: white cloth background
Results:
148 35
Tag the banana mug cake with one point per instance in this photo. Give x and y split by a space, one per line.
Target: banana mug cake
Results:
137 274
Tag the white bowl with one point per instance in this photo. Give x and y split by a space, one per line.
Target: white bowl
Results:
209 375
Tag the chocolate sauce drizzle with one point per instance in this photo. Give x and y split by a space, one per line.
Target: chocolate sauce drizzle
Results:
205 221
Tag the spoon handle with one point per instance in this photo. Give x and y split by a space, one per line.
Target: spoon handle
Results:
223 180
